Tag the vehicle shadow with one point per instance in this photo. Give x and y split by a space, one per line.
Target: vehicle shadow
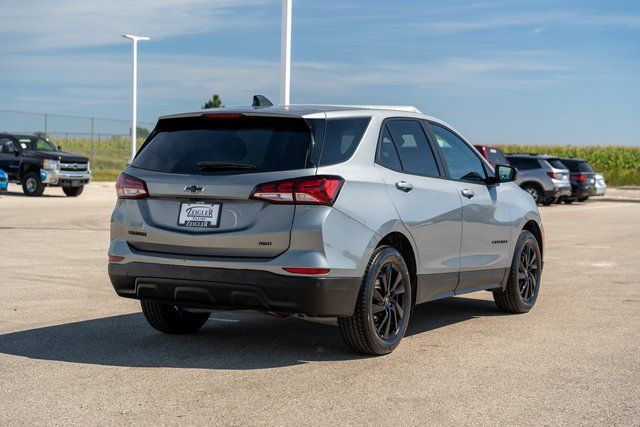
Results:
232 341
19 193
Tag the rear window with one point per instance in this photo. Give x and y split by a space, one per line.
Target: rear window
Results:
556 164
496 157
258 144
578 166
524 163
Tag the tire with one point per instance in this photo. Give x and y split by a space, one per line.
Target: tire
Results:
73 191
535 191
583 199
31 184
171 319
548 201
367 332
523 286
569 201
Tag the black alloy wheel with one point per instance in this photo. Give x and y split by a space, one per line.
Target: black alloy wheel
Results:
383 308
523 284
528 274
388 302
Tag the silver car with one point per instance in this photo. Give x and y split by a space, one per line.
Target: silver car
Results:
353 212
545 177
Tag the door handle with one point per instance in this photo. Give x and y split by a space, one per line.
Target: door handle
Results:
467 193
404 186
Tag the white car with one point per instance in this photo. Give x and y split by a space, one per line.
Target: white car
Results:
601 186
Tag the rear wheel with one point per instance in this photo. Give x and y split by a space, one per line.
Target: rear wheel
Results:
583 199
73 191
524 278
535 192
31 184
171 319
548 201
382 311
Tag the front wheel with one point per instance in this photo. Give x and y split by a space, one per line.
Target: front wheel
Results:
73 191
382 311
171 319
523 286
31 184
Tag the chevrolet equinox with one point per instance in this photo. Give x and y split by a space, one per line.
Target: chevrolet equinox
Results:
354 212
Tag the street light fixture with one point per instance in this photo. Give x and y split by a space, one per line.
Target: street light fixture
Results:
134 91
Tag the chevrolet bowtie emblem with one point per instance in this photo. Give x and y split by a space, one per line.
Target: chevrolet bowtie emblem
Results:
194 189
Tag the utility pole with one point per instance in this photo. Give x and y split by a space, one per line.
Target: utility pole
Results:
134 91
285 54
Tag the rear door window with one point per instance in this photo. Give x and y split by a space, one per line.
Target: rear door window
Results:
257 144
413 148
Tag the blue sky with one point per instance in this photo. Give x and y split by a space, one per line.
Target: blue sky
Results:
559 72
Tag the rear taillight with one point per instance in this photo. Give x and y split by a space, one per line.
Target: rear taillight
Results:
128 187
314 190
580 177
552 175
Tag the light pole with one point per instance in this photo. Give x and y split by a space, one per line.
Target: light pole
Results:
134 91
285 53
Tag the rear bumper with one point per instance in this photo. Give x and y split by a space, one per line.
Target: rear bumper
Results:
220 288
557 192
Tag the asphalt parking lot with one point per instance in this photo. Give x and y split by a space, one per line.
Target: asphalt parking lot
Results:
72 352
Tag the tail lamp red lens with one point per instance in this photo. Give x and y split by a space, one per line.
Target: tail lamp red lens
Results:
314 190
301 270
128 187
552 175
580 177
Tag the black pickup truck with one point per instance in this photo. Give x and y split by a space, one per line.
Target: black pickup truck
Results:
37 163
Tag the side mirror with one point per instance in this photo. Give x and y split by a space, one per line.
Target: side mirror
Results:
505 173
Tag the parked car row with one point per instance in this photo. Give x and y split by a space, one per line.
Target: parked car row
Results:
550 179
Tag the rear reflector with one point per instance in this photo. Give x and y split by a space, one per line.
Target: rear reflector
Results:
314 190
300 270
128 187
113 258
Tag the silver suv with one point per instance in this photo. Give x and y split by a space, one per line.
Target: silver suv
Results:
545 177
353 212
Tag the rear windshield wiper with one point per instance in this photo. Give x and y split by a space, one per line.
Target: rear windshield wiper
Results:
221 166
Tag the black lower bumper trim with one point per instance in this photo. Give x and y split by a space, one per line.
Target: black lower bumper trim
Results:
219 288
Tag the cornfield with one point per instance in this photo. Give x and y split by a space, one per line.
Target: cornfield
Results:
620 165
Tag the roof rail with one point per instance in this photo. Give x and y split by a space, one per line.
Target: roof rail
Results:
407 108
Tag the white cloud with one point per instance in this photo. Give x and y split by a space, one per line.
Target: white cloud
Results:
51 24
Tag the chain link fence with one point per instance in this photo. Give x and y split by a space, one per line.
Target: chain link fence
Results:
107 142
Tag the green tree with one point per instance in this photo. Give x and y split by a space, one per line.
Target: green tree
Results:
214 102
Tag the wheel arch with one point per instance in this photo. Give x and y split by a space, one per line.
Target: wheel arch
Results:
535 229
28 167
402 243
